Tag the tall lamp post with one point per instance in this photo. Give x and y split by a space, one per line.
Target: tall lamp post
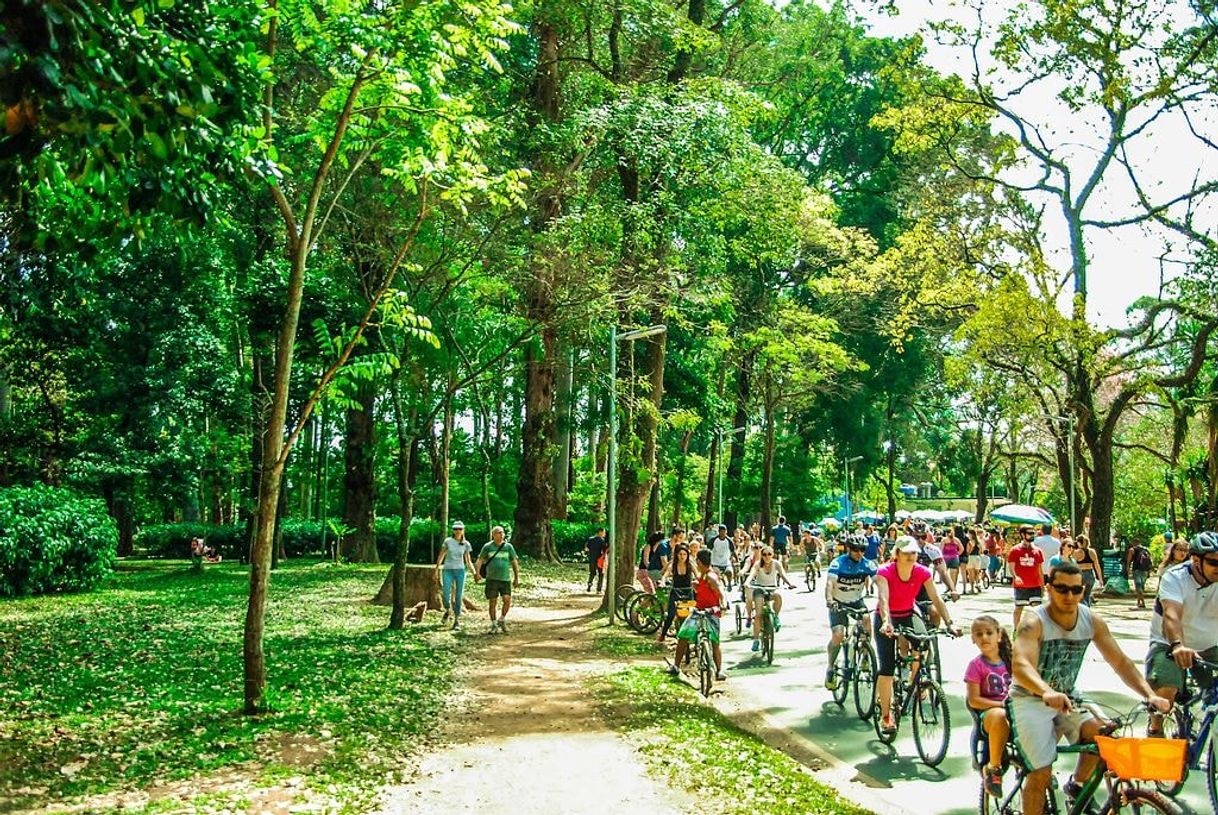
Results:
614 339
849 496
719 465
1070 455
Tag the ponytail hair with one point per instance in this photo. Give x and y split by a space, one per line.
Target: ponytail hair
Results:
1006 651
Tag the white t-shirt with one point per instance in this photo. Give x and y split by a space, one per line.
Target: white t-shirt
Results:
1200 617
721 552
1051 546
454 553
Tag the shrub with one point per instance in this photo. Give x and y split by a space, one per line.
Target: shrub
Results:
53 539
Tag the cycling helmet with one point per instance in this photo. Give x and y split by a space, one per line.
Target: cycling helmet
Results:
1204 543
857 542
918 528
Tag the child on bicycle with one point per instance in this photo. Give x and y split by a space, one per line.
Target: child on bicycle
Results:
708 597
988 678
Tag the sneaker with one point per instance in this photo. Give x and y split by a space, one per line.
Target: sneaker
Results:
831 682
444 619
888 725
673 672
992 778
721 676
503 626
494 629
756 645
456 625
1072 789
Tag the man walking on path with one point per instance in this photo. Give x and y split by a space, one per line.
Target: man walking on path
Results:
502 574
1048 545
1138 564
1027 561
595 547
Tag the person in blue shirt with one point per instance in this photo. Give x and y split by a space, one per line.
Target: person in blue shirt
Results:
780 537
848 578
873 543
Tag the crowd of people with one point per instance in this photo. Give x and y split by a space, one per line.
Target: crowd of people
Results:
1022 681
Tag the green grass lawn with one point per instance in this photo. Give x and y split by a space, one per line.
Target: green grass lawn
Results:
694 747
139 683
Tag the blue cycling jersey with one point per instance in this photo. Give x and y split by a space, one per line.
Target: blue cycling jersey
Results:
851 578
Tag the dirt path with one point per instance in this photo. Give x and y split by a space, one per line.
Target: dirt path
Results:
526 734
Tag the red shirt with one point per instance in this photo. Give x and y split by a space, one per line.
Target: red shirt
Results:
705 596
1025 560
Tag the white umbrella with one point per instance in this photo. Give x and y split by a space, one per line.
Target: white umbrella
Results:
1021 514
902 514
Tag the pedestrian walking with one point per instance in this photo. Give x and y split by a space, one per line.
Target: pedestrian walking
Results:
595 548
498 563
450 568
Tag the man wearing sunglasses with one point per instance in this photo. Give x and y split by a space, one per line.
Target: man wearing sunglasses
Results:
1185 621
1026 561
1049 648
848 578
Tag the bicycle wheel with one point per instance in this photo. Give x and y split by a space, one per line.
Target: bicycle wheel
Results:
1177 728
1139 801
1010 804
1211 771
646 613
623 595
865 669
934 668
932 726
706 666
767 637
810 577
840 670
739 618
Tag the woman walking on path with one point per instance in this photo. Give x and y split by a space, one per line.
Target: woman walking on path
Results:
1089 563
450 568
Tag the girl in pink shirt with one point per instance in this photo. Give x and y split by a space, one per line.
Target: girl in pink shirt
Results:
987 678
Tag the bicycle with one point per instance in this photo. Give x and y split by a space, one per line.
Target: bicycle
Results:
704 651
811 571
916 693
622 596
856 665
645 611
1197 729
1123 764
767 625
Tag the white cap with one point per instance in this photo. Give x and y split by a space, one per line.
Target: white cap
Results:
907 545
458 525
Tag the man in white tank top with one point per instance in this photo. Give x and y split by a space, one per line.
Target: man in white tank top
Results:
1049 647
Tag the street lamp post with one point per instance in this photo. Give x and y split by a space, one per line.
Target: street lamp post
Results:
719 465
1070 480
614 339
849 495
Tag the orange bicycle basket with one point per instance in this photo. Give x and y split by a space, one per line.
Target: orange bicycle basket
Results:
1137 759
684 607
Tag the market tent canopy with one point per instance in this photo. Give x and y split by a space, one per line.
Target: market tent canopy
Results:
830 522
1021 514
902 514
868 516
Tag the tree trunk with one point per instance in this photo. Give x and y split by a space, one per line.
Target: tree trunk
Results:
890 485
708 504
679 488
407 470
446 448
359 481
533 534
419 584
1208 518
561 468
767 464
983 498
653 505
735 461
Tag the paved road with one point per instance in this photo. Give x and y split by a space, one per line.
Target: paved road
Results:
790 696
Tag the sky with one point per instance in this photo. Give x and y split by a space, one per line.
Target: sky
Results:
1125 262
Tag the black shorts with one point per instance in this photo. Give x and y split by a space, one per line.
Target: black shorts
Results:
1029 597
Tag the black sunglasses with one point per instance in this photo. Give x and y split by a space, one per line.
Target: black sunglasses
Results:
1061 588
1211 562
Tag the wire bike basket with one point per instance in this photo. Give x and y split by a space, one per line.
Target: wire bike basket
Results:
1140 759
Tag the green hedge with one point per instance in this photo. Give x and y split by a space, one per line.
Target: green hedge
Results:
302 537
53 539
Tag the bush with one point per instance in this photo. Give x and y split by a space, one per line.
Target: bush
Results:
53 539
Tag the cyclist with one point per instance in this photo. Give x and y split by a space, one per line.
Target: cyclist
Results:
931 557
763 584
848 577
1184 625
899 584
780 536
708 596
721 553
1050 645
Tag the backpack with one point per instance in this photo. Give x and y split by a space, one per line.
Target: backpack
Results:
1141 559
